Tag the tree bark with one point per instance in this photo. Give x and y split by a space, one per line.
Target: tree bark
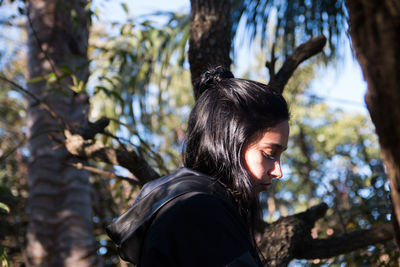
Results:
301 53
87 149
290 238
374 29
210 36
60 227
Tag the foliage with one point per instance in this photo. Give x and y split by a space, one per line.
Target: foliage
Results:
291 23
146 91
13 163
147 94
13 166
333 157
140 79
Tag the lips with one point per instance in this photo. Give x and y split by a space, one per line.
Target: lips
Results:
265 185
266 182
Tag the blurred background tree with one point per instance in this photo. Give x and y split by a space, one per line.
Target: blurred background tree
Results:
141 80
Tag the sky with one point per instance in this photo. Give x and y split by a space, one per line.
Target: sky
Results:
341 86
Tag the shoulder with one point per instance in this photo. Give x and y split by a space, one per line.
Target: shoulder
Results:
197 229
200 209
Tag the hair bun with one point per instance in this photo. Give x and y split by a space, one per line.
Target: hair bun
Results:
210 78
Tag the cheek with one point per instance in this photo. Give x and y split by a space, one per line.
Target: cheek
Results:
254 164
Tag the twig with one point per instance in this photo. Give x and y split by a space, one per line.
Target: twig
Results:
143 142
12 150
271 64
7 22
40 102
116 138
300 54
80 166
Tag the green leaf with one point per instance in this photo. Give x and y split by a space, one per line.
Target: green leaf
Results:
77 85
3 257
36 79
4 207
125 8
51 77
66 69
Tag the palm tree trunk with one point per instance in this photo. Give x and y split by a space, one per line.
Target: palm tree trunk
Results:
210 36
60 231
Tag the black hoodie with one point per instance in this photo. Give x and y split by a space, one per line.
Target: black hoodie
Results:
183 219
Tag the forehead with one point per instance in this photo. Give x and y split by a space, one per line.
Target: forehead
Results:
277 135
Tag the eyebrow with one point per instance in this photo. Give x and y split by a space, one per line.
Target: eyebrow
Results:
275 145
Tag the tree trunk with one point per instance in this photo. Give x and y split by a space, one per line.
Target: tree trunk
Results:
210 36
60 229
374 29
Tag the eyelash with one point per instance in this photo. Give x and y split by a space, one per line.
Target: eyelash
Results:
268 156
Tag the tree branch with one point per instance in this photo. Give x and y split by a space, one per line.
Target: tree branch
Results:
348 242
79 145
130 160
283 238
91 169
300 54
271 64
290 238
93 128
7 22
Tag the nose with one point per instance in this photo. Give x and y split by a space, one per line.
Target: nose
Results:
276 171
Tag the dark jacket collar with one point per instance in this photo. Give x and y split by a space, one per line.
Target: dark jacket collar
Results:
129 229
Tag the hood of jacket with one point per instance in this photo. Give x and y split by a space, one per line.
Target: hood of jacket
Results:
128 230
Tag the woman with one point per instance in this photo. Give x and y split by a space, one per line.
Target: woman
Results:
204 213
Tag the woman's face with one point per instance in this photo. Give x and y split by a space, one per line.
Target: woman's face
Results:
262 155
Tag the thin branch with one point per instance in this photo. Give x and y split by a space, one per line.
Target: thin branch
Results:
107 133
271 64
148 148
346 243
39 101
12 150
80 166
80 147
130 160
300 54
6 22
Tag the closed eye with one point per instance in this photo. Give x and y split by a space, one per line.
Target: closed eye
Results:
268 156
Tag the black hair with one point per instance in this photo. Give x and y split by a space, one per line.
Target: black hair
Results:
227 114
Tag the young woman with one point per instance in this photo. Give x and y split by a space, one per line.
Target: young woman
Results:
204 213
